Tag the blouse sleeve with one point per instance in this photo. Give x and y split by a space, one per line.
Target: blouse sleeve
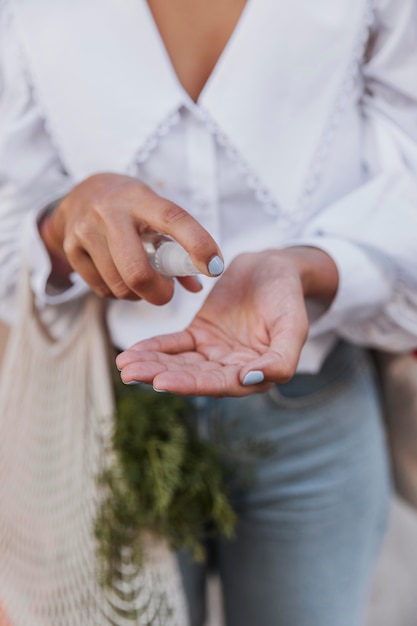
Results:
372 233
31 176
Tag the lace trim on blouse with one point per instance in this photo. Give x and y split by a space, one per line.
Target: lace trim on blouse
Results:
233 154
152 141
33 91
352 77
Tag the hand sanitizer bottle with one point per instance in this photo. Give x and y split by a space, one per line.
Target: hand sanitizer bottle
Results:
167 256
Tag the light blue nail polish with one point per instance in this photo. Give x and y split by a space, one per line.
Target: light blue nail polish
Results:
132 382
160 390
216 266
253 378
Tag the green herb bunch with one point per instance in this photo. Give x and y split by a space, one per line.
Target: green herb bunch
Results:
164 481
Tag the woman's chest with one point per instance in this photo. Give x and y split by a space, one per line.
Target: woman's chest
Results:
288 76
195 33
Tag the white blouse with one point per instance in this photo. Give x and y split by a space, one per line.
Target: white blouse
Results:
305 133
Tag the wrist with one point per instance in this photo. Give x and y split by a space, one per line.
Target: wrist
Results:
60 268
47 228
318 272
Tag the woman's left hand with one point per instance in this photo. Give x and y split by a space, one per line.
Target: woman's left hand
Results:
248 334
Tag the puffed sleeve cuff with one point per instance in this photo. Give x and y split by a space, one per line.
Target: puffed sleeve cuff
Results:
364 285
40 265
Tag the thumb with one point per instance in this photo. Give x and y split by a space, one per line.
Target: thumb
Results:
278 364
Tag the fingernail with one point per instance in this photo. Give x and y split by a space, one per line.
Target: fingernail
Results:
253 378
160 390
132 382
216 266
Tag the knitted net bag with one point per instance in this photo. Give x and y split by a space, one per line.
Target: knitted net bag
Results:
56 411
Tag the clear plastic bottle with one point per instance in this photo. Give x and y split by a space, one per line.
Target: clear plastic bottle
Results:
167 256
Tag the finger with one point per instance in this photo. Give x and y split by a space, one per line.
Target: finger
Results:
144 366
217 382
99 271
171 219
129 257
84 266
279 363
93 262
189 374
172 343
190 283
141 372
129 357
105 266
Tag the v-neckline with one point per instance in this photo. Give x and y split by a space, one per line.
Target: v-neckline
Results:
169 66
253 105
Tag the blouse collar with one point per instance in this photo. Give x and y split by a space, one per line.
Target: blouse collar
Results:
108 100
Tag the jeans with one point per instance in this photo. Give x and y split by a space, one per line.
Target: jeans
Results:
310 483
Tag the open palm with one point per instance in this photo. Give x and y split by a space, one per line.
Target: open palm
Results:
252 322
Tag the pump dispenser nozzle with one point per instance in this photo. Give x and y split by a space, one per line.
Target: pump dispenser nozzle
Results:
167 256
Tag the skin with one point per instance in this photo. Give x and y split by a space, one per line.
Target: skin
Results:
87 235
195 33
254 319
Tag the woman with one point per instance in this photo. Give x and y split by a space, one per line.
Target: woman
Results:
277 140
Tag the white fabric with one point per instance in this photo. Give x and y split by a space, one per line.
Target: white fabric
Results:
306 132
55 440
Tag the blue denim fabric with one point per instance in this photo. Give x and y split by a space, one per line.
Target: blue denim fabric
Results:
310 482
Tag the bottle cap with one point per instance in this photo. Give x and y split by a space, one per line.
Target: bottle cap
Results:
172 260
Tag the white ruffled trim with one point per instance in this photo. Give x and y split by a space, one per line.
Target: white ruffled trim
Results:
261 193
43 108
152 141
350 81
351 78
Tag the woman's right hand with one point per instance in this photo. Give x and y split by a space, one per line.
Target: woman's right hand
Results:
96 231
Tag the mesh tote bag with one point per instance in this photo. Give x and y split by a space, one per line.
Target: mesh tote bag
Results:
56 411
